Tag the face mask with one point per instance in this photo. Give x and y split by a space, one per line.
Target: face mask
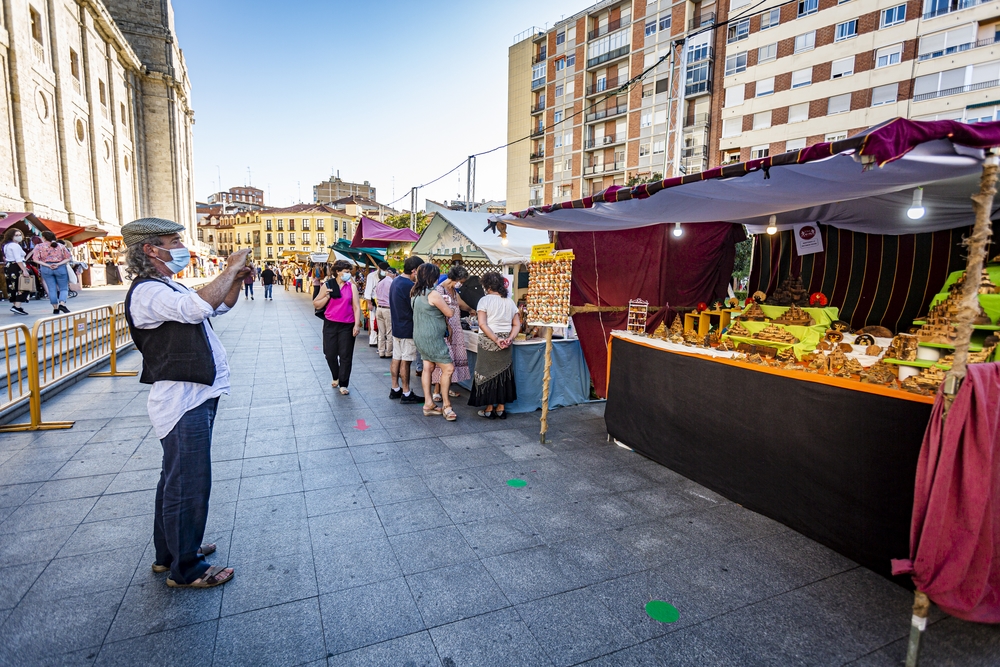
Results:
180 258
458 285
18 238
345 276
382 273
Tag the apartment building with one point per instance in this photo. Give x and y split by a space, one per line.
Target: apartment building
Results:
588 129
273 233
798 73
246 198
333 189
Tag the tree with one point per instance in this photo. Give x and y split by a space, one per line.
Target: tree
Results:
741 267
640 180
402 221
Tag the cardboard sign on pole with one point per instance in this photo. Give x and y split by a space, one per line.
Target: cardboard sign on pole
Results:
808 240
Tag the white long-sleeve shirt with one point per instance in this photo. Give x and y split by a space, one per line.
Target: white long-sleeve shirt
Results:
156 302
371 280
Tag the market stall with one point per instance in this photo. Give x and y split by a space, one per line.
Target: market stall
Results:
791 410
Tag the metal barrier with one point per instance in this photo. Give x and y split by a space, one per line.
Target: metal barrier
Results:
55 348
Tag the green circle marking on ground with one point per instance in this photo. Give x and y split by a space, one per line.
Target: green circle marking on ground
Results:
516 483
658 610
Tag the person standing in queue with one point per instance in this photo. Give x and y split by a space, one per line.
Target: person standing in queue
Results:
267 279
341 306
15 266
499 323
431 310
371 280
184 360
404 351
383 314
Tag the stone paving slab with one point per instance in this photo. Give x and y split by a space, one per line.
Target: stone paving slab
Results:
402 544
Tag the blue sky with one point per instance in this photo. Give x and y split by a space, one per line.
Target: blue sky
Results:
393 92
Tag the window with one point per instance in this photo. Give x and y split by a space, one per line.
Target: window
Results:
736 63
802 77
570 86
665 22
762 120
558 141
560 37
888 55
736 4
767 53
305 238
841 68
738 30
270 252
321 238
798 112
838 104
770 19
319 224
281 224
660 116
124 115
659 146
765 87
559 92
36 25
643 149
267 225
281 238
571 60
795 144
646 119
268 238
884 94
291 237
846 30
732 127
291 225
560 64
808 7
74 64
651 27
661 86
305 225
805 42
835 136
731 157
734 95
102 93
760 152
557 116
946 42
893 16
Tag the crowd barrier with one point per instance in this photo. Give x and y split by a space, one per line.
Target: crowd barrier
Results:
54 349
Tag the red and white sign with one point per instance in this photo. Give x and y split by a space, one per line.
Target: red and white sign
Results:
808 240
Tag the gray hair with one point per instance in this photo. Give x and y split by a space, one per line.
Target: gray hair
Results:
138 264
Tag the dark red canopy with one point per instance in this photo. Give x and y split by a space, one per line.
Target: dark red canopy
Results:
375 234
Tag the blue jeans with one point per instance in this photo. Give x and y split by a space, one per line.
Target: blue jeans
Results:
267 291
247 289
181 509
56 283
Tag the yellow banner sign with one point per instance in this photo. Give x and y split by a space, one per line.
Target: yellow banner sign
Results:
542 252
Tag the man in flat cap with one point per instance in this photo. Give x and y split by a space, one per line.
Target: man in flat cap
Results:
185 362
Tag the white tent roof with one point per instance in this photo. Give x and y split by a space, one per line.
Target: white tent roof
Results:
519 239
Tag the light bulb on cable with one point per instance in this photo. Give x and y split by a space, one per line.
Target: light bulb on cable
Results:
772 225
678 231
503 240
916 210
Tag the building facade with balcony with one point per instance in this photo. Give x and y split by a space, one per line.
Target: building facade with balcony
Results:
800 73
273 233
587 121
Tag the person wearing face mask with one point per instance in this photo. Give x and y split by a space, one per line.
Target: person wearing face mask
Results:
371 280
383 315
52 258
185 362
456 338
340 303
15 266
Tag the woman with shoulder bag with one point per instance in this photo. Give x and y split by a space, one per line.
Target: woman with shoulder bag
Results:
52 258
340 305
15 267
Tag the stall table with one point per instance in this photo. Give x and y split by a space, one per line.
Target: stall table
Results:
831 458
570 377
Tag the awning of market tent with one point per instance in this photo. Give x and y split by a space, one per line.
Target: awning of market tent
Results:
863 183
26 221
783 443
359 255
373 234
461 232
76 235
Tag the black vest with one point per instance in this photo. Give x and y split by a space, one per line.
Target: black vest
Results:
172 351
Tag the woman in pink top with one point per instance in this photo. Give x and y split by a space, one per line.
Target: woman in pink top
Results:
52 258
341 306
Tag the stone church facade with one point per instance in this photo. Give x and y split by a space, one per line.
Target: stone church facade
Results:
96 112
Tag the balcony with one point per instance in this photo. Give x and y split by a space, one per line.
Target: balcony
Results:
694 165
535 180
604 168
989 41
610 112
948 6
538 108
537 156
538 132
956 91
609 56
698 88
610 27
601 142
538 83
607 84
535 202
700 55
538 57
695 151
702 21
697 120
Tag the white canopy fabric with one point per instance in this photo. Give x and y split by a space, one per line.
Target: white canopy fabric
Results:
836 191
519 240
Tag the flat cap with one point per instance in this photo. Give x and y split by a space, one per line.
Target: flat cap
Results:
138 230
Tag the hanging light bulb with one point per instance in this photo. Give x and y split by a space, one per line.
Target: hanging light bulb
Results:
772 225
916 210
678 232
503 240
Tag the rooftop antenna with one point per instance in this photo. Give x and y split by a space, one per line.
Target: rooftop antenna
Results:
249 177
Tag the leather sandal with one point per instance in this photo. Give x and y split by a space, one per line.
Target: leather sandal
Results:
203 550
449 414
214 576
432 412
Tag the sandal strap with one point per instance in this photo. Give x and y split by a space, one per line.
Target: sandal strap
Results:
211 572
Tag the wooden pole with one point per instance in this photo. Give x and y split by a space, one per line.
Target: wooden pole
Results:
546 380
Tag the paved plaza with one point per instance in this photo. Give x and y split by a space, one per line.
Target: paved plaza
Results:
364 534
